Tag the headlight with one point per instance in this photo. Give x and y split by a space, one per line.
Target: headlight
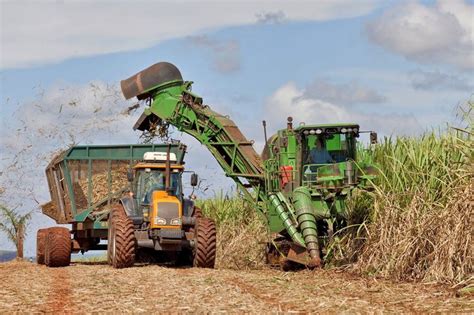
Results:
355 130
349 129
176 221
343 130
319 131
160 221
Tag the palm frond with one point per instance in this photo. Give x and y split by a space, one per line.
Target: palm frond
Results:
10 232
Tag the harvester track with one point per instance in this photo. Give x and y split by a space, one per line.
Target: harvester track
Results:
205 250
123 240
58 247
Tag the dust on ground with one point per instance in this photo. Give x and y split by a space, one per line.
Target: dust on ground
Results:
96 287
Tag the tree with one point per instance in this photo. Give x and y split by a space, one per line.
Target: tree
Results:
14 225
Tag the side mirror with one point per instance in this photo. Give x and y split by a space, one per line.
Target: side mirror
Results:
194 179
373 137
130 176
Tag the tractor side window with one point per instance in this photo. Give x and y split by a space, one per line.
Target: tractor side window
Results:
175 184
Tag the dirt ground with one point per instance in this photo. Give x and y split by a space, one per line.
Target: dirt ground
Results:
96 287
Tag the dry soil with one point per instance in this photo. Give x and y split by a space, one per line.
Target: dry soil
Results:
96 287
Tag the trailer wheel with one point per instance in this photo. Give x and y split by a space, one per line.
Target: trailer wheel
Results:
122 242
57 247
205 243
40 245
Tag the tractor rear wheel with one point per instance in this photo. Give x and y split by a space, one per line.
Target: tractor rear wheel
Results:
109 237
57 247
40 245
205 243
122 241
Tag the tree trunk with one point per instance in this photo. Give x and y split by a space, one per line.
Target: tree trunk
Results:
19 247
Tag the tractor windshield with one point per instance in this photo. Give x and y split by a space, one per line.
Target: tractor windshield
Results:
150 180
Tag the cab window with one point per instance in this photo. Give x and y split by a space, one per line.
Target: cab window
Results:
149 181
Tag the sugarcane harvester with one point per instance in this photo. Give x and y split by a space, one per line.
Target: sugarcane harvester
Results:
299 183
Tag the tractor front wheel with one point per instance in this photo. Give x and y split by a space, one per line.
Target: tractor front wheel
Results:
57 247
204 243
122 243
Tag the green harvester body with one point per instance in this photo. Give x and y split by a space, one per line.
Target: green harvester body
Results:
303 202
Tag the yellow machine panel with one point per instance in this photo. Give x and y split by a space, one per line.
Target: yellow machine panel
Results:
166 211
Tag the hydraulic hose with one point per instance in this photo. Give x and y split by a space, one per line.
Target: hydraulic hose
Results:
306 220
279 206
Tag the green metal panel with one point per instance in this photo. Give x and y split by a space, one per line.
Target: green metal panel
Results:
107 153
121 152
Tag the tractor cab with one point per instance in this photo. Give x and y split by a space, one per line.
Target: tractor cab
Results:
157 193
151 177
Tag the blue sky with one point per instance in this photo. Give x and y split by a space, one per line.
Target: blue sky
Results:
395 67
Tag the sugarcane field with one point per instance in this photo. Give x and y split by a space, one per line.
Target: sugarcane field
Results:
237 157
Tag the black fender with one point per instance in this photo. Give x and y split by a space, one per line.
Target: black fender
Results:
130 205
188 207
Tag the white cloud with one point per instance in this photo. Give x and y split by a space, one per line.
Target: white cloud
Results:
344 94
35 33
271 17
443 32
289 100
433 80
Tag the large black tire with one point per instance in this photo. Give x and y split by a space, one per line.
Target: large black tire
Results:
57 247
40 245
109 234
122 243
205 243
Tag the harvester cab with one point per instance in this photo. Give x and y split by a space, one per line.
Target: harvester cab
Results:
323 147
